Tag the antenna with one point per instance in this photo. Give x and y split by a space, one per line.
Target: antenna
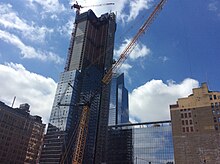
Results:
13 102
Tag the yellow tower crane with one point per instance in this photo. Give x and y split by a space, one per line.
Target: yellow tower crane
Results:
84 119
107 78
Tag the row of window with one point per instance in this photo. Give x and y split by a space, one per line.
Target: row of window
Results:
188 129
216 104
216 119
186 109
213 97
187 122
186 115
216 112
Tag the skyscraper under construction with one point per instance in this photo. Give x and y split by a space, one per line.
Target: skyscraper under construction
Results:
89 57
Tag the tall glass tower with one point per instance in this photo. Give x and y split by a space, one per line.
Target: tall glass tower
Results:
89 57
118 107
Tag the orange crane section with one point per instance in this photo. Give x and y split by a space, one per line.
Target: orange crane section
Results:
81 136
107 78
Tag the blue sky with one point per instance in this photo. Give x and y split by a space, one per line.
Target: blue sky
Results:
178 52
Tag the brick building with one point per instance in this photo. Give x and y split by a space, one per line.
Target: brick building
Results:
21 135
196 127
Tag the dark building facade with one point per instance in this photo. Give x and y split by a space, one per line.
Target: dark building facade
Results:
196 127
89 57
118 107
21 135
140 143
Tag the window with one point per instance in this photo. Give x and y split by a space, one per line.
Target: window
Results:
189 114
216 104
190 122
186 122
187 129
184 129
214 97
215 120
212 105
210 97
185 115
182 122
213 111
181 115
191 129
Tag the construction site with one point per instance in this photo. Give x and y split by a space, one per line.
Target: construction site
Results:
78 127
90 121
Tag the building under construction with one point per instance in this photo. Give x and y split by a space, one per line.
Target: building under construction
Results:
90 55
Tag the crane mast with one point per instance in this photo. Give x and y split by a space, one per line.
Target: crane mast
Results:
81 136
107 78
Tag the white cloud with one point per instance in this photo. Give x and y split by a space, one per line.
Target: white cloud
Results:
10 20
49 6
27 51
140 50
124 68
213 6
28 87
67 28
163 58
150 102
137 6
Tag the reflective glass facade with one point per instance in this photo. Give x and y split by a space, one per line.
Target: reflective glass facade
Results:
118 108
89 56
141 143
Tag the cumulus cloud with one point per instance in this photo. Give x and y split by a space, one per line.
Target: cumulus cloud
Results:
28 51
28 87
150 102
136 7
140 50
49 6
67 28
10 20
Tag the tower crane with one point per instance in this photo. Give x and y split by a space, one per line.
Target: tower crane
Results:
83 125
78 7
130 46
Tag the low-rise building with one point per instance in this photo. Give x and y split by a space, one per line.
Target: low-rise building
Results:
196 127
21 135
